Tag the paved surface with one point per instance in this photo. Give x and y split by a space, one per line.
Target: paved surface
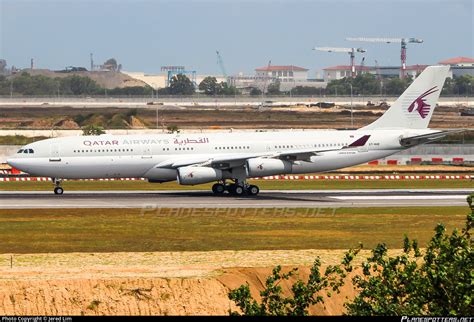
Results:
205 199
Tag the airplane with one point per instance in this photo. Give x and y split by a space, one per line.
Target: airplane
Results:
229 159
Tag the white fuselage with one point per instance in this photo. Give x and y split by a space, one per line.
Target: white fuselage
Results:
122 156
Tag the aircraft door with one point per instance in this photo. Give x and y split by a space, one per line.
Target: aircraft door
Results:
54 154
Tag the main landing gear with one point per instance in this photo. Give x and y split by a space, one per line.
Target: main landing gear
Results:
58 190
236 189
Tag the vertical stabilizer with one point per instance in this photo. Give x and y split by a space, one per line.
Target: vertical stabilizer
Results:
414 108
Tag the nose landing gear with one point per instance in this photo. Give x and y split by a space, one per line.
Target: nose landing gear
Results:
58 190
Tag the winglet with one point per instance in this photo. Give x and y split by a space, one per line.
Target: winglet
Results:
359 142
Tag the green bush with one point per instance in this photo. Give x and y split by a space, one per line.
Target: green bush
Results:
437 281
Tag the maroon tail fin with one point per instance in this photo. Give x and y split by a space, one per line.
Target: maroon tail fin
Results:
359 142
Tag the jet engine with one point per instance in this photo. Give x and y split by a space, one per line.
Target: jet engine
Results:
198 175
261 167
160 175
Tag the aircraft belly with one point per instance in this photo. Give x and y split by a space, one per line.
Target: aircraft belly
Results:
336 160
92 167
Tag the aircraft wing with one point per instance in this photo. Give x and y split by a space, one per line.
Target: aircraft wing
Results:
227 161
306 154
425 138
219 161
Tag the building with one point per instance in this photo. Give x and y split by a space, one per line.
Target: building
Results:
341 71
283 74
459 66
289 77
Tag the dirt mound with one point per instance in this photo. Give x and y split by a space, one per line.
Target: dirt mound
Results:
136 123
114 297
145 296
67 124
106 79
161 283
42 123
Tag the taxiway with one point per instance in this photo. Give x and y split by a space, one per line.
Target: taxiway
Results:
205 199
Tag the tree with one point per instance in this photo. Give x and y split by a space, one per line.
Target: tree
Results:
163 91
274 88
463 85
255 91
78 85
303 294
396 86
111 64
339 87
173 128
225 89
92 130
209 86
181 85
305 90
364 84
132 90
437 283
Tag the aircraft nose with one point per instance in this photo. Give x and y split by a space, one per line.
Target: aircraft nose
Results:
11 162
17 164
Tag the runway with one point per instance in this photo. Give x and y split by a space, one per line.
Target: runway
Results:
205 199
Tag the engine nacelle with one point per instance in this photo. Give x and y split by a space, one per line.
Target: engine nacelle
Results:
160 175
198 175
261 167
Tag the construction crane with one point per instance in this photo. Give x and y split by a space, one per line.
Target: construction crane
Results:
403 43
350 51
220 62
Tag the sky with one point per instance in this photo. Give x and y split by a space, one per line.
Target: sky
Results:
145 35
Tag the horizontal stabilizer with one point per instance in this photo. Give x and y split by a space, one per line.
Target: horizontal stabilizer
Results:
426 138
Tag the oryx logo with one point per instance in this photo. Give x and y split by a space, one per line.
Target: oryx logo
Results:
191 174
420 105
260 166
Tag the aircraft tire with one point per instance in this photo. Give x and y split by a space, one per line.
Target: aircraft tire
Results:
218 188
253 190
58 191
238 190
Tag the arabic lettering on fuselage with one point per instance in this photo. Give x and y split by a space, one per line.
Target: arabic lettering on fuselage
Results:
179 141
190 141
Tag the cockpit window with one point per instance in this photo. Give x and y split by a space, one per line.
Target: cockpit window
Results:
28 151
